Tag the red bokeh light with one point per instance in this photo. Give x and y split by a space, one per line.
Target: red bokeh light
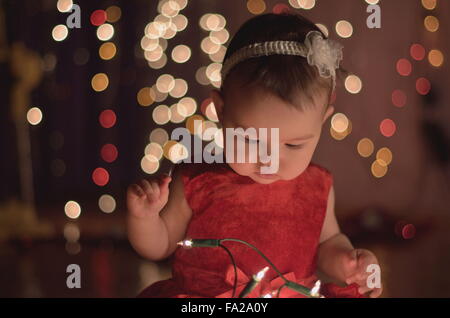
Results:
107 118
280 8
408 231
98 17
417 52
423 86
109 153
100 176
387 127
404 67
399 98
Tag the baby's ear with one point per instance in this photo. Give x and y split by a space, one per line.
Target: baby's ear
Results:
328 113
218 102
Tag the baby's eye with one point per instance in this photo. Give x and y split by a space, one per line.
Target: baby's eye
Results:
294 146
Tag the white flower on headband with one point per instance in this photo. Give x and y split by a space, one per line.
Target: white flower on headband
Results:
323 53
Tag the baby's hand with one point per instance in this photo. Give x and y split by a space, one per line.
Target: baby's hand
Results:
148 198
355 267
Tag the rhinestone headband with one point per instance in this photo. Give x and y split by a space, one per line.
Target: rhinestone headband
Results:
325 54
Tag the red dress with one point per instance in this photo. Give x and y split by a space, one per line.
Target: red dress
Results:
282 219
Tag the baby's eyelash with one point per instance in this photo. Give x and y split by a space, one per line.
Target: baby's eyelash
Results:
294 146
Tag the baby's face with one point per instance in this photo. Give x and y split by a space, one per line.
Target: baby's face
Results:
299 131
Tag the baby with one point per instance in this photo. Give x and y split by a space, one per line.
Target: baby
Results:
285 85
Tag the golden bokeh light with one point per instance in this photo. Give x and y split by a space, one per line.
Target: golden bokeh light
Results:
158 64
107 51
379 168
385 155
365 147
256 6
99 82
146 96
194 124
323 28
113 14
429 4
180 21
436 58
431 23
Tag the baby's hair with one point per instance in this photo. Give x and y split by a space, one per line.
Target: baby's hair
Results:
283 75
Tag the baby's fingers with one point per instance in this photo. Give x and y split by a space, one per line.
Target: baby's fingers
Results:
135 191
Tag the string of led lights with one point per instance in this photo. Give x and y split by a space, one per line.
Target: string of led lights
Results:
311 293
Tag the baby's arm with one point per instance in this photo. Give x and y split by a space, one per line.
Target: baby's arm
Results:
157 216
337 257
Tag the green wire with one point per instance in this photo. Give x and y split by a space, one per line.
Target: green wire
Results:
257 251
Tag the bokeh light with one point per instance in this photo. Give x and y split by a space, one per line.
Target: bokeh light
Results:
429 4
98 17
365 147
256 6
113 14
404 67
379 168
60 32
72 209
100 176
385 155
399 98
436 58
339 122
423 86
109 153
387 127
146 96
34 116
353 84
149 164
105 32
417 52
64 5
159 136
431 23
71 232
302 4
161 114
181 53
107 118
154 149
107 51
100 82
106 203
344 29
